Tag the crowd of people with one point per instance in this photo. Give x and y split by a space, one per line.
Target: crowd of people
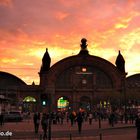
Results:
56 118
113 117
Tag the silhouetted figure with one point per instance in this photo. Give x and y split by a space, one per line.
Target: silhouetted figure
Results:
44 123
112 119
120 63
90 118
72 118
79 122
137 123
46 61
36 119
1 119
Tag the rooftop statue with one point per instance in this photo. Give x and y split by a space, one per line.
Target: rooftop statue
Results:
84 45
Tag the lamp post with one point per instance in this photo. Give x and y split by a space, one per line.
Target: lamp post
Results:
124 90
49 110
124 94
100 134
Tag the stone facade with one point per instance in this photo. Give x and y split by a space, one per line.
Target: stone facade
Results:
100 80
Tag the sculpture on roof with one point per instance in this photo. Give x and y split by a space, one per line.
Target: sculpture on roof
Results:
46 61
120 63
83 46
84 43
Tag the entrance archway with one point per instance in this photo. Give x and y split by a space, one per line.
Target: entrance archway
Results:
63 104
85 103
29 104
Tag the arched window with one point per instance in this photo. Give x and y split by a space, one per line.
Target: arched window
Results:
29 99
62 103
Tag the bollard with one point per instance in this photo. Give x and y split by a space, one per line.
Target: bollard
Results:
70 137
40 137
100 136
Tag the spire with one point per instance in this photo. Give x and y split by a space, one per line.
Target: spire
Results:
83 45
120 63
46 61
33 83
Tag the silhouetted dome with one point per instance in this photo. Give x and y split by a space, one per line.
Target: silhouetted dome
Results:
120 63
46 61
133 80
9 80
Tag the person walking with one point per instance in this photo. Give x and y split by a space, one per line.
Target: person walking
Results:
72 118
44 123
79 120
36 119
137 123
1 119
111 119
90 118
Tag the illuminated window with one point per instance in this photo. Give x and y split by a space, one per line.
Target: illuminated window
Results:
84 69
62 103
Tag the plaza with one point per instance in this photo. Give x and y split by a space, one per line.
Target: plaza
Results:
25 130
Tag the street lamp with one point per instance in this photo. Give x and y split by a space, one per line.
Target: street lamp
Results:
124 94
49 110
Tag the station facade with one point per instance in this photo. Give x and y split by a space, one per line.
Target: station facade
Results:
76 82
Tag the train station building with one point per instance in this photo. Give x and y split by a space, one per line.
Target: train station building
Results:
80 81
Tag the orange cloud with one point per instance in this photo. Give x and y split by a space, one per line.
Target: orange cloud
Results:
132 63
128 40
6 2
123 22
61 15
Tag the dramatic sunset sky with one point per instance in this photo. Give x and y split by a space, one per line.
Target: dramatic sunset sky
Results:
28 27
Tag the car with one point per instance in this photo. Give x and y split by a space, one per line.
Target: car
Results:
13 116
